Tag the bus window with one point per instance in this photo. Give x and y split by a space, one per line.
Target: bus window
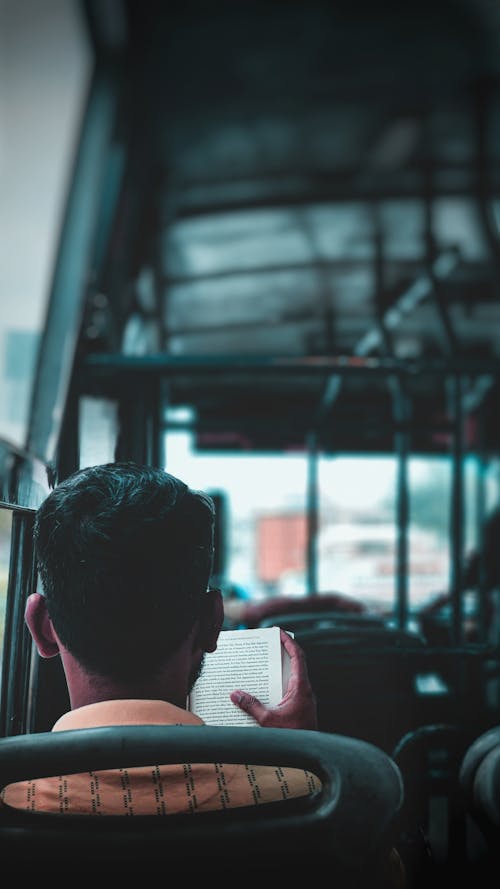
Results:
5 537
40 108
358 536
98 430
266 525
264 494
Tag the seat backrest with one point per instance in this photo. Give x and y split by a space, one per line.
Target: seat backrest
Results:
363 676
351 823
477 751
480 781
297 621
278 607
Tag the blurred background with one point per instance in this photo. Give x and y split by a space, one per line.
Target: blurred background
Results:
286 214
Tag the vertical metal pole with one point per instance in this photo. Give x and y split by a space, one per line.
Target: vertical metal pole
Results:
154 425
482 589
139 425
312 515
16 660
451 346
457 512
68 446
483 102
402 504
163 426
400 404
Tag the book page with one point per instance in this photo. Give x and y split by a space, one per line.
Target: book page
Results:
250 660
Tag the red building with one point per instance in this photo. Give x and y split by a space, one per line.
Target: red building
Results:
281 545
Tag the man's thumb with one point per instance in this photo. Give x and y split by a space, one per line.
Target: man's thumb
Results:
246 702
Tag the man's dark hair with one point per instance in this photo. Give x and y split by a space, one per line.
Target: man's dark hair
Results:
125 555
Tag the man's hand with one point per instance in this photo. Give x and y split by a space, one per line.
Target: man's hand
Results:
297 709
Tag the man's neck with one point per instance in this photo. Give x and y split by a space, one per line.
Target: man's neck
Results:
171 684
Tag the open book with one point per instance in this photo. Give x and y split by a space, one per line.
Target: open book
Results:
250 660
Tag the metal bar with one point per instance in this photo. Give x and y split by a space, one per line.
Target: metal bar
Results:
256 424
442 309
402 446
444 318
16 659
312 516
400 403
302 176
336 194
330 393
457 514
155 420
337 265
483 593
98 365
163 424
401 438
379 269
139 424
324 302
68 447
112 180
416 293
334 383
485 189
451 349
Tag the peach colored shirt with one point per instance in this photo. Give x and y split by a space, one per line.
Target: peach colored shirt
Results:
154 789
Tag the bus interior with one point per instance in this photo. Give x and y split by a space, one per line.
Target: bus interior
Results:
258 244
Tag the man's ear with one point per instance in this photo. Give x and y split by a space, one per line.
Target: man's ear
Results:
40 626
211 620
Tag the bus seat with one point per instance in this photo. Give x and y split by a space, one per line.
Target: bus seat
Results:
350 825
296 621
363 676
429 759
253 613
476 753
480 783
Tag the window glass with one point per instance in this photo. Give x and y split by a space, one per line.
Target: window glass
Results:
263 498
492 481
5 536
44 71
356 538
98 427
429 542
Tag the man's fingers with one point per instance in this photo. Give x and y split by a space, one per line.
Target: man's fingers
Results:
287 642
248 703
297 657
